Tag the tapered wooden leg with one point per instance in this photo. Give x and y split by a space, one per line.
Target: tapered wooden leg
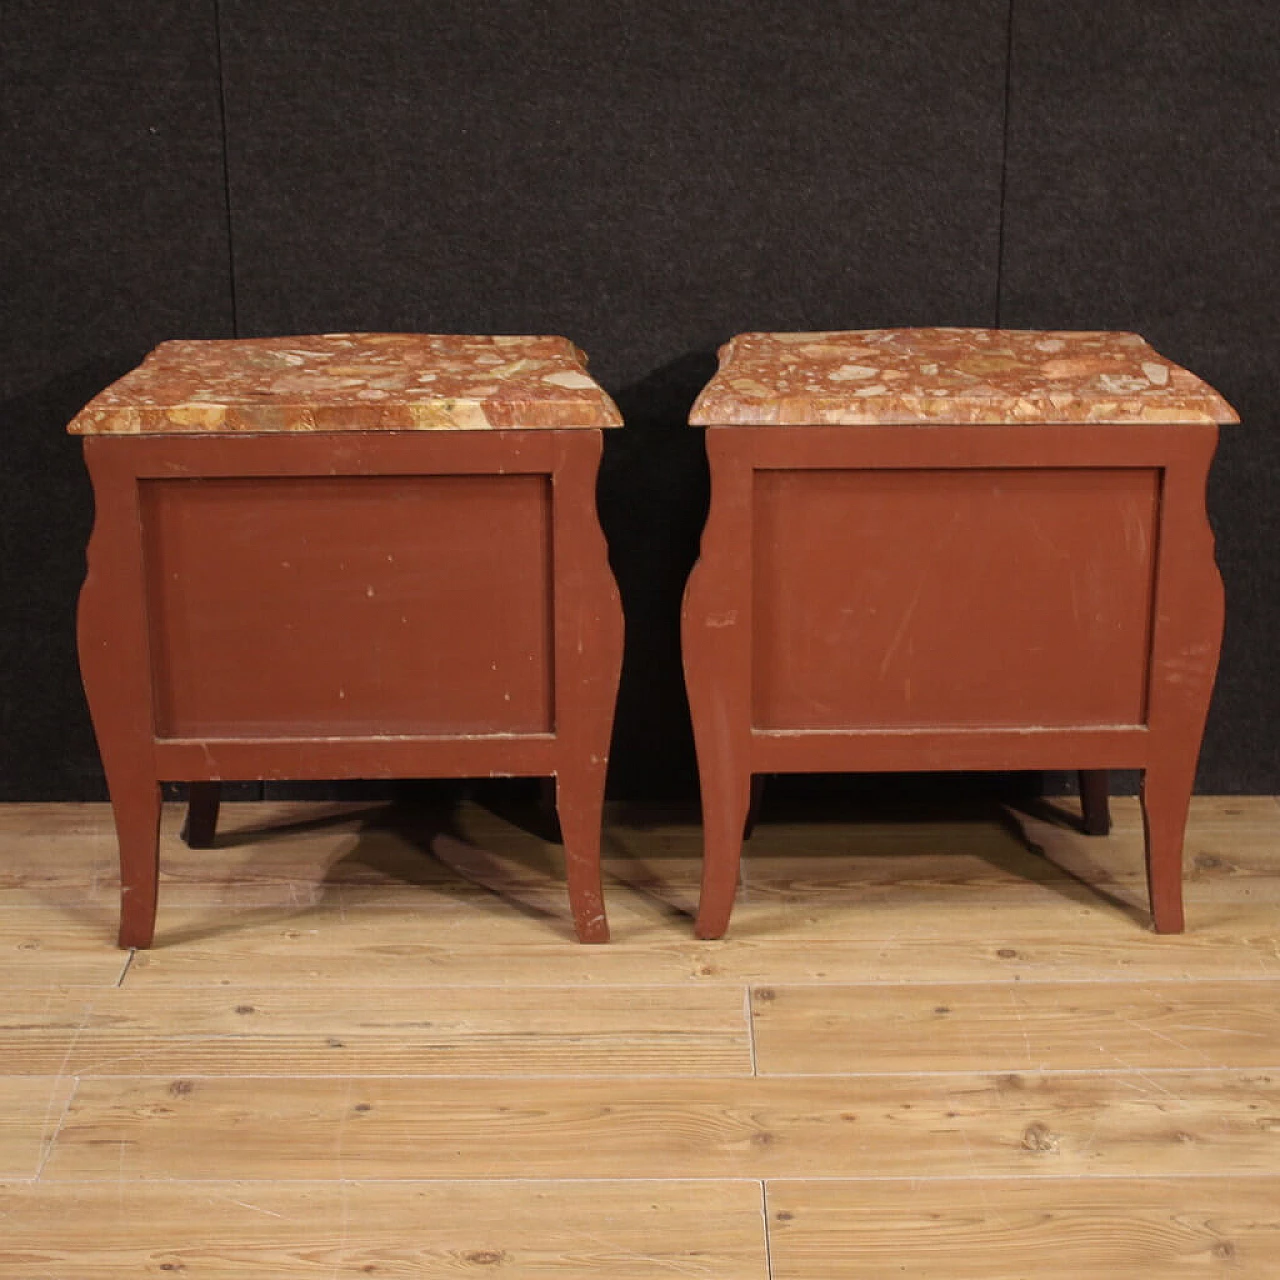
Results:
726 799
588 656
1095 804
716 641
137 815
753 805
113 645
580 804
1185 647
201 826
1166 799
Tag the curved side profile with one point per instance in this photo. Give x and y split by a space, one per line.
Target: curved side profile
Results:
1190 609
716 642
111 632
588 657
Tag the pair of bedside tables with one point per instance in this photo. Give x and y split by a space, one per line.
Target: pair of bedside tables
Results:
373 556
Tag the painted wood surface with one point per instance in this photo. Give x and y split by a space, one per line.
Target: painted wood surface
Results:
368 605
980 595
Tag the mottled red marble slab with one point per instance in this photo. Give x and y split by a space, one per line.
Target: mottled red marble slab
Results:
353 382
886 376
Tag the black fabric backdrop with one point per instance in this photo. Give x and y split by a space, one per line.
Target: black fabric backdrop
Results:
647 179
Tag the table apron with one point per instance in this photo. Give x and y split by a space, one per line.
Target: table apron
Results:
481 755
877 750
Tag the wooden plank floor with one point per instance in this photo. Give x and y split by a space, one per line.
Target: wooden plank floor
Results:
366 1044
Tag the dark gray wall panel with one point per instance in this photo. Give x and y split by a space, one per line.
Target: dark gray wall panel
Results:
1143 186
647 179
112 238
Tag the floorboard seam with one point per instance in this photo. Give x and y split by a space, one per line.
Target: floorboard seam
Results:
46 1153
768 1237
907 1179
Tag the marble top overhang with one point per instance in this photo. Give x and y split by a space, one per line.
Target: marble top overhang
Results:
352 382
903 376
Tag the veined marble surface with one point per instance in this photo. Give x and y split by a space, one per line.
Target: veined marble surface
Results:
352 382
887 376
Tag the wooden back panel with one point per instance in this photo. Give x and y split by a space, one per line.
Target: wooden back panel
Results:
349 604
952 598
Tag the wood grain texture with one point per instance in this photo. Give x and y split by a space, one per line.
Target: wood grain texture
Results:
1014 1125
1097 1099
384 948
300 853
64 854
1037 954
1000 1230
346 894
31 1110
970 919
411 945
38 1028
343 1230
1048 1026
343 1031
53 854
58 946
1232 849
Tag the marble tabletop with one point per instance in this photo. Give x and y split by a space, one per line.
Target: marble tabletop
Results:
890 376
352 382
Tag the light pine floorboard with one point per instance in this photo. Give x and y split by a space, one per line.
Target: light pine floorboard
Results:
366 1044
413 945
340 1031
49 946
963 1125
1001 1230
1104 1026
344 1230
32 1109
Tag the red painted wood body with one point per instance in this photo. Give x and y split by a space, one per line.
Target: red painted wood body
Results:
378 604
953 597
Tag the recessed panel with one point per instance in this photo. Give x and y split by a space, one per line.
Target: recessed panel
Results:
963 598
350 605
